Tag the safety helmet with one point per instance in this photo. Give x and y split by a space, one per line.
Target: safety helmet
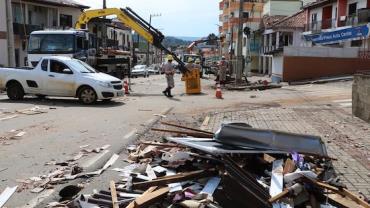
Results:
169 58
190 59
197 61
223 58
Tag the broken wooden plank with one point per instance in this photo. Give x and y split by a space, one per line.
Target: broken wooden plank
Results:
162 181
268 158
188 128
149 190
114 194
149 198
205 123
343 201
193 134
289 166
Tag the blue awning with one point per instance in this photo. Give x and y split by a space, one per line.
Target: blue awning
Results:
340 35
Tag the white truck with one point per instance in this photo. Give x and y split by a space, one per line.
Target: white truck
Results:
60 76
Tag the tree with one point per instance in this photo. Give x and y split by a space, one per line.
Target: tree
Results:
212 39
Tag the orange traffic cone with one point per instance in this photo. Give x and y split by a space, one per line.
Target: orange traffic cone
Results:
125 85
218 92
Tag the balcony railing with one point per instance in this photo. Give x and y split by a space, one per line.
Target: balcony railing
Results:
272 48
362 17
317 26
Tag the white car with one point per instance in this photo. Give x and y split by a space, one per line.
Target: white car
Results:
60 76
140 70
154 69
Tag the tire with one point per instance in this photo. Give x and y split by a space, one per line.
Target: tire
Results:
15 91
41 96
87 95
107 100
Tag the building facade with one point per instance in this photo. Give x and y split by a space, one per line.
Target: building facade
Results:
335 41
229 25
31 15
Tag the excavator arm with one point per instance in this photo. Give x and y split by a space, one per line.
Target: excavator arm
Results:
128 17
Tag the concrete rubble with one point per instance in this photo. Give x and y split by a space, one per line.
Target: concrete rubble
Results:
196 168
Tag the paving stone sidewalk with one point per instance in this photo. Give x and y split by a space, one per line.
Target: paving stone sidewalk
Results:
347 138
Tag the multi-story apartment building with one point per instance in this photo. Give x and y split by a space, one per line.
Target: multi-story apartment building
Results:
230 18
253 13
31 15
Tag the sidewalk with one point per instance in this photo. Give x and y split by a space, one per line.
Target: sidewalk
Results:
347 138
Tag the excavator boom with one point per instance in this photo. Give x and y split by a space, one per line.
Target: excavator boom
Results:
128 17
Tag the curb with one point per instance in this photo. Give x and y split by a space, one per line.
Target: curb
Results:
99 161
131 136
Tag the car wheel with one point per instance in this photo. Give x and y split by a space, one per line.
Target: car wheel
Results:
87 95
107 100
15 91
41 96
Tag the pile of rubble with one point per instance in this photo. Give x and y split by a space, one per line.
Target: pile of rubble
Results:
238 166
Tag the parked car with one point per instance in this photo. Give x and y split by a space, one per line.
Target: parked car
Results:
154 69
60 76
140 70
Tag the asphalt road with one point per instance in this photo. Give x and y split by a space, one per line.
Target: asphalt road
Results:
67 125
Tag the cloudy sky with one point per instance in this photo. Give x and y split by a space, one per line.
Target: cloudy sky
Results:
193 18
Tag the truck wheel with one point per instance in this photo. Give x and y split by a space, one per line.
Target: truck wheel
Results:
15 91
87 95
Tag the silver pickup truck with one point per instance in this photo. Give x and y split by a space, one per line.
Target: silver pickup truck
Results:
60 76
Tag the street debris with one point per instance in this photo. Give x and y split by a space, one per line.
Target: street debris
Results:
6 194
238 166
7 115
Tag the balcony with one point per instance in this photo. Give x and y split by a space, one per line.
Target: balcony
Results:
317 26
272 49
362 17
25 30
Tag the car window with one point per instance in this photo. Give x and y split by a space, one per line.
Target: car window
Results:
57 67
44 65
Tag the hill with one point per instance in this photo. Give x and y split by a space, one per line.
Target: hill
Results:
174 42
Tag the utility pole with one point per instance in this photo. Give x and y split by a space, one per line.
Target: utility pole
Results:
150 25
9 19
104 4
239 52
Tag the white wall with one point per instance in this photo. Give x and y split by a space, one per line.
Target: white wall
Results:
277 65
281 7
3 42
321 52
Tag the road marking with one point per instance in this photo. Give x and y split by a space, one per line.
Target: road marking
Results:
130 134
40 198
342 101
94 159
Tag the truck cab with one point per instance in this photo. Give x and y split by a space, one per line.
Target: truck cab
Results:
68 43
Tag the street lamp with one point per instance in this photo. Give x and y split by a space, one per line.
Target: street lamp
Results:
150 23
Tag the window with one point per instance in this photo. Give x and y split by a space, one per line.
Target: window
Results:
18 13
57 67
44 65
65 20
314 17
352 9
356 43
53 17
246 15
51 44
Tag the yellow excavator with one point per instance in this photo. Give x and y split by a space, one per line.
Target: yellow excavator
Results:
132 20
129 18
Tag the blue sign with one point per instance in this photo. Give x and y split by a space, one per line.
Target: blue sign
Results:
339 35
